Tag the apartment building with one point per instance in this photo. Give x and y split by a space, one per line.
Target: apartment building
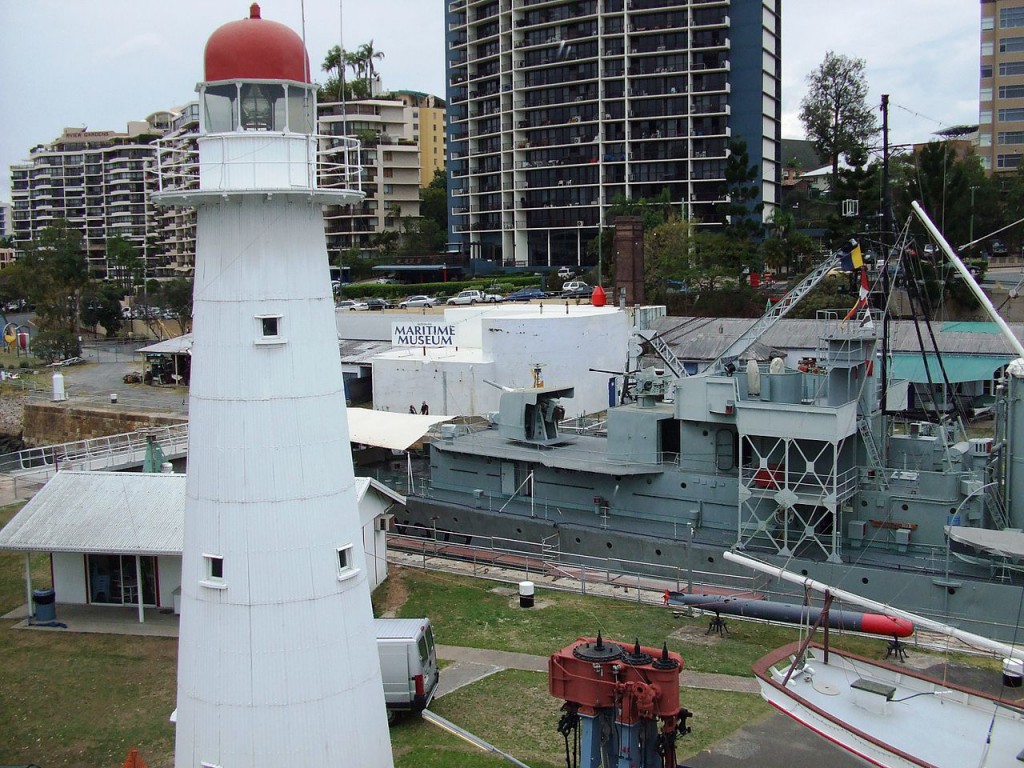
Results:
392 173
1001 90
95 180
558 108
6 224
428 126
175 227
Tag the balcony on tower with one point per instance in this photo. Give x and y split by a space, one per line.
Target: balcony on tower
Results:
257 130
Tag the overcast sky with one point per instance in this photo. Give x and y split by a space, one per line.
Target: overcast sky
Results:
100 64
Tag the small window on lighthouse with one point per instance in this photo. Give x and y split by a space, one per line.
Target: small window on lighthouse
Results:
213 575
268 329
346 563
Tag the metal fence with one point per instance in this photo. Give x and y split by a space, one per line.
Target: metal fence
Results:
513 560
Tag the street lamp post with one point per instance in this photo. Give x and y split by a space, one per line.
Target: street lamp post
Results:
970 231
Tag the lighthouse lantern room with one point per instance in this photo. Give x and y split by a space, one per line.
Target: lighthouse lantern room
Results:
277 661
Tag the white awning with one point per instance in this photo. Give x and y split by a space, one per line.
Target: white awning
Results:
1003 543
384 429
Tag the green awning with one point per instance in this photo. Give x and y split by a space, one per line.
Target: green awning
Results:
959 368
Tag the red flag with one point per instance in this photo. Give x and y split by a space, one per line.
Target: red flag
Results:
862 299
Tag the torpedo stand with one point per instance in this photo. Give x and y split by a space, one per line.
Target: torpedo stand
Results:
614 698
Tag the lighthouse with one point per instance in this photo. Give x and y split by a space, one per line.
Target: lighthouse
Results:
277 661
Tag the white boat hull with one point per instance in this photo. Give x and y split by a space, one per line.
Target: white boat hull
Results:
893 717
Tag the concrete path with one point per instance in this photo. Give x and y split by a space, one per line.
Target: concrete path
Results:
486 662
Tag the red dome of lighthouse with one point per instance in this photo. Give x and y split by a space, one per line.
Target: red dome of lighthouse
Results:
255 49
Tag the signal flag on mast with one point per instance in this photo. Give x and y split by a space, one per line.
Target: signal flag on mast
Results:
862 298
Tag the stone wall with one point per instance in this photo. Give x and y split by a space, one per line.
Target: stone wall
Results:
50 423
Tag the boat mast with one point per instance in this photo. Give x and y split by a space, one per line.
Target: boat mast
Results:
970 638
883 370
968 278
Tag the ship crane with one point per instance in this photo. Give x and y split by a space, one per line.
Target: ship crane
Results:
743 342
777 311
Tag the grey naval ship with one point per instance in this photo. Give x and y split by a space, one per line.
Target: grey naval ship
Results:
801 468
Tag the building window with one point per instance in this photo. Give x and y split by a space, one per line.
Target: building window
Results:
269 329
986 71
346 563
1008 161
1007 115
388 173
213 572
1011 45
1010 91
986 49
985 116
1011 18
988 22
1011 137
985 139
1009 68
985 94
387 157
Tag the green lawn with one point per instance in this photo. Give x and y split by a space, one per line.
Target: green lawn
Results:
82 701
513 711
480 614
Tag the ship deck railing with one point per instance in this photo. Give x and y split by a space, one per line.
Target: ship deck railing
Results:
513 560
766 481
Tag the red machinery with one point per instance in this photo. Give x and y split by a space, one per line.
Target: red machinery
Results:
614 699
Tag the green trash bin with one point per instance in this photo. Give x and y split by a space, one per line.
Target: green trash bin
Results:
45 608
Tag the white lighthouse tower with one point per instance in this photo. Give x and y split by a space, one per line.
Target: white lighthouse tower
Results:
277 657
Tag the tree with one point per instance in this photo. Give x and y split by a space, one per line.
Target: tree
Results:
176 296
367 54
434 201
101 305
55 274
124 258
834 112
335 62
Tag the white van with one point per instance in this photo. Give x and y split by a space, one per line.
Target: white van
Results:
408 664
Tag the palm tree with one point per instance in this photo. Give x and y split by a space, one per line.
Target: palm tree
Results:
368 53
333 63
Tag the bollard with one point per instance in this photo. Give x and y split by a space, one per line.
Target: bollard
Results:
526 594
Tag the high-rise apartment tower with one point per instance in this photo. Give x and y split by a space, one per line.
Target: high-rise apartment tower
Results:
558 108
1001 92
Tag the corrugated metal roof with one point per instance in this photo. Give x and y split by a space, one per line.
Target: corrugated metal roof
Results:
355 352
117 513
179 345
398 629
704 338
109 512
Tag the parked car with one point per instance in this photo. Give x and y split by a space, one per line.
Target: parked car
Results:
564 273
577 293
346 304
359 306
408 664
417 301
378 304
576 289
526 294
474 297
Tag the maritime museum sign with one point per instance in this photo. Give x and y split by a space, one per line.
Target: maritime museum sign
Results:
422 335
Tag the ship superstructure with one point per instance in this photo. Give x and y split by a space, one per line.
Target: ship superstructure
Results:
800 465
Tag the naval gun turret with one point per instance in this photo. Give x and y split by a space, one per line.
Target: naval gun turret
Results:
531 415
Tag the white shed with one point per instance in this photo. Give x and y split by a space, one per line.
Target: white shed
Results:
109 532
